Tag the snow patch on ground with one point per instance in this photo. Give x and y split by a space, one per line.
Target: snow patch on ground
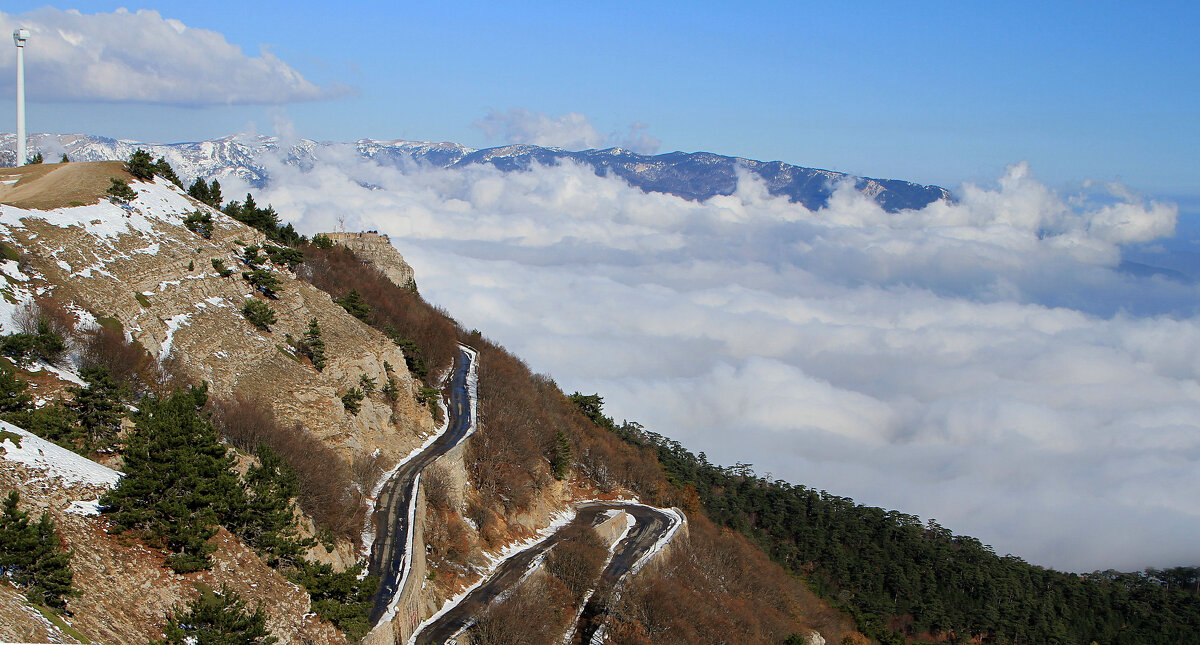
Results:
15 294
157 201
56 461
173 325
66 375
84 508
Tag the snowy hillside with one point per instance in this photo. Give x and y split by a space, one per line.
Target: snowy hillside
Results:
23 447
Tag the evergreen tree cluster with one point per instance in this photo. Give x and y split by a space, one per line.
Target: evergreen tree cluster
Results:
216 618
354 304
120 192
258 313
98 407
263 219
311 346
206 193
142 166
90 420
352 401
200 223
32 557
904 579
45 344
341 598
218 264
179 485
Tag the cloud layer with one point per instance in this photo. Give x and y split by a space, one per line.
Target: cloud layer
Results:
984 363
143 57
571 131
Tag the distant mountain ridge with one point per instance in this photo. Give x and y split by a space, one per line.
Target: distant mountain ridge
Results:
691 175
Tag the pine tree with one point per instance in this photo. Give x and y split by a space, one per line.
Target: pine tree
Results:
200 223
65 158
217 618
355 305
99 406
141 165
312 346
199 191
560 459
269 521
50 575
163 169
179 483
17 541
31 555
263 280
258 313
120 192
12 391
341 598
54 422
214 194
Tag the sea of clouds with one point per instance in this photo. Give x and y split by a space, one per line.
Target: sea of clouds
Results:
986 363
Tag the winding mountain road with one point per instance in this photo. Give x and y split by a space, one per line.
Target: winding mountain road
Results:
395 510
393 506
651 526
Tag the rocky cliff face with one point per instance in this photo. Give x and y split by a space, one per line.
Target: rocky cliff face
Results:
377 250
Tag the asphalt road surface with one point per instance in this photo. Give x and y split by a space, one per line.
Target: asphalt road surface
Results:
391 508
651 524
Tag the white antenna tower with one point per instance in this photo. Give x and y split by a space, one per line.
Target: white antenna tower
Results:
20 35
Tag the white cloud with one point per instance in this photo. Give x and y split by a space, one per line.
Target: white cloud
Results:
571 131
984 362
143 57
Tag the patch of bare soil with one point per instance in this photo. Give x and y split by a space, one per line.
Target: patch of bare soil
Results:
58 185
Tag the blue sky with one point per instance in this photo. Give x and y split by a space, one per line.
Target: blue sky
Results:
931 92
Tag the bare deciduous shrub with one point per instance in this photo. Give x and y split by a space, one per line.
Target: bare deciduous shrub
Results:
577 560
534 613
366 470
447 536
327 493
45 310
714 585
337 271
438 486
126 360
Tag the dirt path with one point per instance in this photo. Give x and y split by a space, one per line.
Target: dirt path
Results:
58 185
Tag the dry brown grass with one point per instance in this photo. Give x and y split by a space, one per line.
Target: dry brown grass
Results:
58 185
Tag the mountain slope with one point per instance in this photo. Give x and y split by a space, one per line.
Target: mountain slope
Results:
691 175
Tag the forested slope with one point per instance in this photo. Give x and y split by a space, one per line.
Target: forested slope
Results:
907 580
